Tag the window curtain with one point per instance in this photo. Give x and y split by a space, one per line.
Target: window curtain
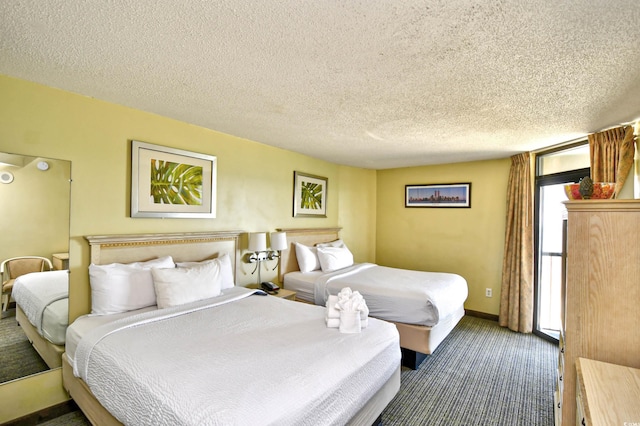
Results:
611 154
516 297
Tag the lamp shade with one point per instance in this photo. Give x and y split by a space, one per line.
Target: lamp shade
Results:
278 241
258 241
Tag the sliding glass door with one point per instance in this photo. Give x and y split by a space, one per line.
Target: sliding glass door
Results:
553 171
550 255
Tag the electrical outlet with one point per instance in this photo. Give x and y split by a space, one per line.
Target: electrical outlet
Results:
488 292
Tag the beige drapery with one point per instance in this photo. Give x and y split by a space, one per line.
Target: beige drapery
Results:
611 154
516 297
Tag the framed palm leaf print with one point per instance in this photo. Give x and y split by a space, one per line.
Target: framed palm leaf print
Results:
172 183
309 195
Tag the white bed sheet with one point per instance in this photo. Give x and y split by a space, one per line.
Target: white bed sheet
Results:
85 323
44 298
399 295
303 283
246 360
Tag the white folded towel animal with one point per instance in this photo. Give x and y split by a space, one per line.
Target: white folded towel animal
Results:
332 312
332 322
344 294
364 314
348 300
350 322
340 310
332 316
353 311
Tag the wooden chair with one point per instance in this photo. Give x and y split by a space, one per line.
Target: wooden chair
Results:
11 269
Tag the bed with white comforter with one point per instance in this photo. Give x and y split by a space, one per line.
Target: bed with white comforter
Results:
43 298
42 310
424 306
399 295
238 358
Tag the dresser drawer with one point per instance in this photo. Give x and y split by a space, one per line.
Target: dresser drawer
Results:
580 419
557 407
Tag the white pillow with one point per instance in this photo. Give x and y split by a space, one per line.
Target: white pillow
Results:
226 270
307 258
334 243
119 287
178 286
332 258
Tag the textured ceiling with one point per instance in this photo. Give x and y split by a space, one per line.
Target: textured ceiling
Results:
367 83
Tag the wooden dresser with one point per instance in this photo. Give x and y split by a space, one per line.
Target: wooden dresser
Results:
602 294
607 394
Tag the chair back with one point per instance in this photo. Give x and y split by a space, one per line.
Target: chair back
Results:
24 265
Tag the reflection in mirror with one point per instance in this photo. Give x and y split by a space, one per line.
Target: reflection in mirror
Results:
34 221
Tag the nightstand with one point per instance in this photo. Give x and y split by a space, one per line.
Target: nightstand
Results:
282 293
60 261
285 294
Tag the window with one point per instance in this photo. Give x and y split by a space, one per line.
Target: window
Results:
554 169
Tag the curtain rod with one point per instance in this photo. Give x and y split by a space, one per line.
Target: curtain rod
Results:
560 145
636 129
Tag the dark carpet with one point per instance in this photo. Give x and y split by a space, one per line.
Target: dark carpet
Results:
482 374
17 357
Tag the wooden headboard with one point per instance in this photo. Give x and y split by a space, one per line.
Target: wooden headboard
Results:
183 247
306 236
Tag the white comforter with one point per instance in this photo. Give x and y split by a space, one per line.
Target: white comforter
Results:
235 360
400 295
43 297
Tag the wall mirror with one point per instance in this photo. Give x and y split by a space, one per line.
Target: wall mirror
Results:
34 221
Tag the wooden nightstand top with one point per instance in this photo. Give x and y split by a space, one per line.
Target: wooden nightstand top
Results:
286 294
282 293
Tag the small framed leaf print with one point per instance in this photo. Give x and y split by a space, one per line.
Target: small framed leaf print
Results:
309 195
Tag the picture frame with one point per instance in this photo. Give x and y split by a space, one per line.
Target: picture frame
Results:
451 195
172 183
309 195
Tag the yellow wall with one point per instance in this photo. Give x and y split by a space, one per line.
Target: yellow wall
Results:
466 241
255 181
358 196
35 210
254 190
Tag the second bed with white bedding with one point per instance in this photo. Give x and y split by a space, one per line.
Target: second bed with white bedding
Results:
198 363
399 295
44 299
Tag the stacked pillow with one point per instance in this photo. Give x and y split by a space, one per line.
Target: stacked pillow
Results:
119 287
177 286
226 270
307 258
328 257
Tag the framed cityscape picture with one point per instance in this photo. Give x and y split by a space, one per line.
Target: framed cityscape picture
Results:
438 195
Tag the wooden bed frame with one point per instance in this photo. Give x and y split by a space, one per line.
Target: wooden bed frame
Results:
49 352
182 247
416 341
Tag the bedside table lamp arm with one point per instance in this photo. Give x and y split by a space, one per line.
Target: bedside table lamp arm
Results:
260 253
258 245
278 243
